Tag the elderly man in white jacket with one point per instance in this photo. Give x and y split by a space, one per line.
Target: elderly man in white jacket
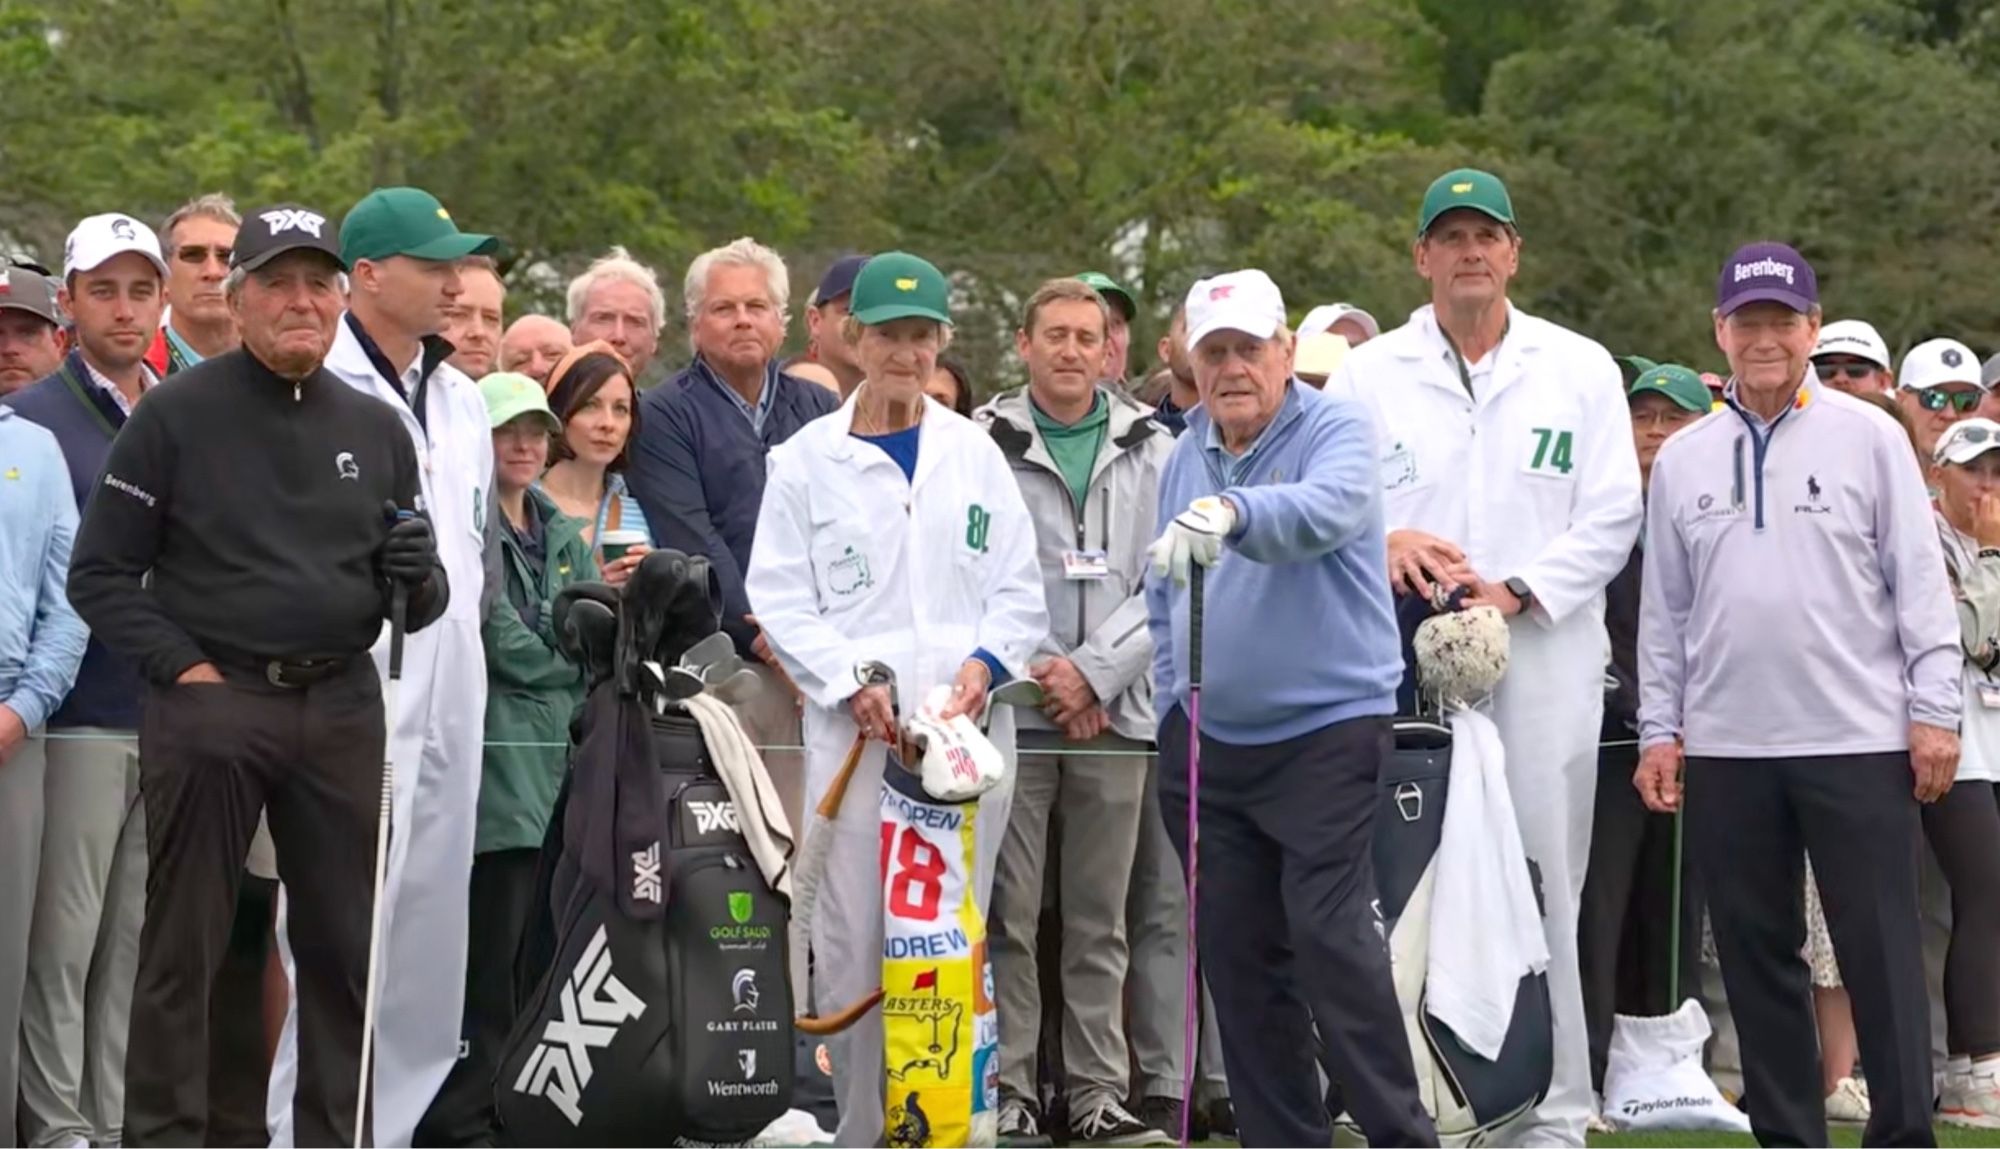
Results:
1508 467
891 530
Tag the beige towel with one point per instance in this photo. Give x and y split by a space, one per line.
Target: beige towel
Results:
759 813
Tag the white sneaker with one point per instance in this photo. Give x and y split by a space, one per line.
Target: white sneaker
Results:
1848 1103
1973 1098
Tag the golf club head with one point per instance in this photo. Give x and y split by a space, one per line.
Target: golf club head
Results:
706 653
1019 692
737 688
585 620
872 673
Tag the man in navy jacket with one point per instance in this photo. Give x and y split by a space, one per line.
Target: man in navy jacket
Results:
698 465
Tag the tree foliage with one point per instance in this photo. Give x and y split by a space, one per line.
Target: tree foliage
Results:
1013 140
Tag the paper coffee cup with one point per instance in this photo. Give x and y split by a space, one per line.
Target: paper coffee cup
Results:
616 543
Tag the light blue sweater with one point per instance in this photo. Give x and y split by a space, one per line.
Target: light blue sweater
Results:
41 638
1299 631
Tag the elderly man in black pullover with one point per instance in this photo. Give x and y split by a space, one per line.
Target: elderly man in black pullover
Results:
260 495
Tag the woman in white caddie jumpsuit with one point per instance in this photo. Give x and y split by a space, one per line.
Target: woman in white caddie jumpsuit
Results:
891 530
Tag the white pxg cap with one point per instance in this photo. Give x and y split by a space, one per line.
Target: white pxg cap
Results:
1966 440
1856 337
101 238
1936 362
1245 301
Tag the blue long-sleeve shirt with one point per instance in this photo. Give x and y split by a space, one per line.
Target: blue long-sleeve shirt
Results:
1299 630
41 637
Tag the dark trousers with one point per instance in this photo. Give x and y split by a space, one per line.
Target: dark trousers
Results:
502 899
1749 825
210 758
1624 943
239 1064
1288 932
1964 832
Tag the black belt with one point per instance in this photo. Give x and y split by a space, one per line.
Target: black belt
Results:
286 673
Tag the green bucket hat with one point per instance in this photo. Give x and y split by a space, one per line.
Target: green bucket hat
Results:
898 285
406 221
1681 384
1113 294
1468 188
509 396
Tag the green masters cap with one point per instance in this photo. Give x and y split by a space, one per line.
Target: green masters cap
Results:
898 285
406 221
1633 366
1466 187
1681 384
509 396
1113 294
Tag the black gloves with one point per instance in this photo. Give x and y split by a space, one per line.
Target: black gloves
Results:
409 555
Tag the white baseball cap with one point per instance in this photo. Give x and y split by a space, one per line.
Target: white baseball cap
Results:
101 237
1323 317
1856 337
1935 362
1966 440
1245 301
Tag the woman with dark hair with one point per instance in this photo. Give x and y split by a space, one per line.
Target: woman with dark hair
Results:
950 385
591 392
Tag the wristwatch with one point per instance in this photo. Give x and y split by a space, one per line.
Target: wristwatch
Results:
1518 587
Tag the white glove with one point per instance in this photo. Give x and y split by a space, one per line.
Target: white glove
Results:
959 764
1195 535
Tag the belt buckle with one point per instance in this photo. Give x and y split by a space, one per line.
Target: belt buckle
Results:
274 673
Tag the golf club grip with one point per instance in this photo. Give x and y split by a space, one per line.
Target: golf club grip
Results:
1195 596
399 620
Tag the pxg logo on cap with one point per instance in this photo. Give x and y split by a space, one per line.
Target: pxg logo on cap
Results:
1766 273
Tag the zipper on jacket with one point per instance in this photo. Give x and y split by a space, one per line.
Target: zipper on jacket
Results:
298 389
1081 584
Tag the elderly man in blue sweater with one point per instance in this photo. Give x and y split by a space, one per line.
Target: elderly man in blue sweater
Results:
1276 486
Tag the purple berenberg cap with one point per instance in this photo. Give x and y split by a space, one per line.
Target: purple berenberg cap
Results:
1766 272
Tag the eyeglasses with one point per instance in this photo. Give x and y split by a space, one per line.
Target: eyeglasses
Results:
1937 399
196 254
1664 416
1828 372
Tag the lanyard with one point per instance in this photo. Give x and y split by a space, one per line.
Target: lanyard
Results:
82 391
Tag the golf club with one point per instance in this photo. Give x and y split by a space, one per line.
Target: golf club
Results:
1193 990
399 609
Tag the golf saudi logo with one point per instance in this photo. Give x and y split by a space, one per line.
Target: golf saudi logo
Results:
740 934
595 1005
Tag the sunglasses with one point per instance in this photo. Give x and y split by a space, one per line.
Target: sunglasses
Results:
1937 399
197 254
1828 372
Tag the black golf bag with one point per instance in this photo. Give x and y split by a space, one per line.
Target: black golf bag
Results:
661 1013
1464 1092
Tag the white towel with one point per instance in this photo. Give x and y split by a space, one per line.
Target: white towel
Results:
1486 927
759 814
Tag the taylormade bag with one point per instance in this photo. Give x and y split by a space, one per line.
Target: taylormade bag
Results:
669 1028
1464 1093
1653 1078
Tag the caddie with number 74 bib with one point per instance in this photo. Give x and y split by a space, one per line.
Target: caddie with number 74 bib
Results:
1508 466
892 531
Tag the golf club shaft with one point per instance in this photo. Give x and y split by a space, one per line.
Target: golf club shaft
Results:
1674 926
1193 988
399 608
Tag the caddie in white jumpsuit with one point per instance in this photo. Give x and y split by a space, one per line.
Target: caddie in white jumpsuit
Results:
404 250
890 530
1507 465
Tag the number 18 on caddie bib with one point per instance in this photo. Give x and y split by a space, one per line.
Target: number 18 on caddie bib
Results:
941 1035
